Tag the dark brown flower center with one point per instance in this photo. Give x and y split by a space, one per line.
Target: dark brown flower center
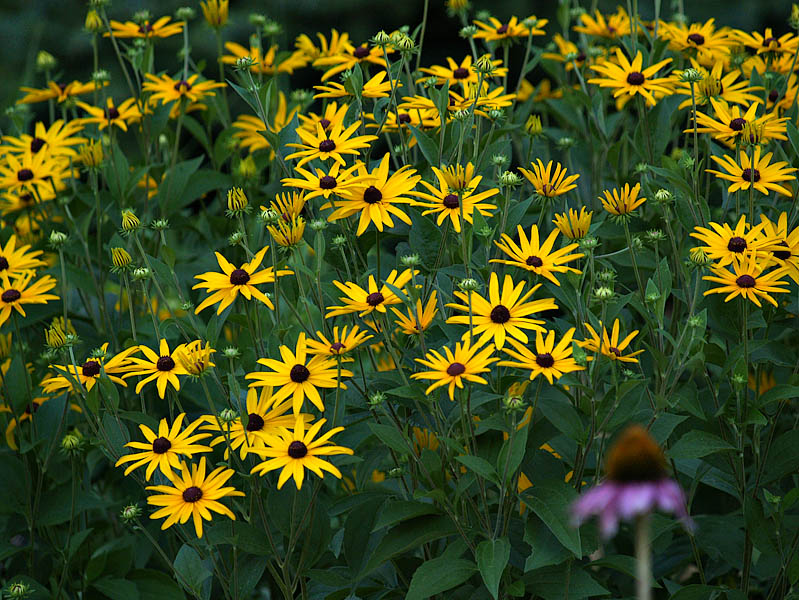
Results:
375 298
696 38
336 347
36 144
327 146
192 494
111 113
636 78
773 95
254 422
361 52
165 363
185 85
737 124
26 199
770 41
635 457
614 350
10 296
534 261
91 368
297 449
371 195
544 360
299 373
24 175
500 314
750 175
3 263
782 254
456 369
736 244
460 73
31 408
161 445
327 182
746 281
325 123
239 277
403 118
580 57
145 29
451 201
502 29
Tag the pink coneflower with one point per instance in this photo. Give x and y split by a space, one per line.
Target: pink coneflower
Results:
636 484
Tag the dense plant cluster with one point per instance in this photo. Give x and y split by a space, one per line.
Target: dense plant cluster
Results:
404 334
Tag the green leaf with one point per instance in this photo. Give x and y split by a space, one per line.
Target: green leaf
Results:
155 585
492 558
390 437
117 589
425 239
512 453
396 511
550 502
171 189
426 144
697 592
191 570
480 466
438 575
696 444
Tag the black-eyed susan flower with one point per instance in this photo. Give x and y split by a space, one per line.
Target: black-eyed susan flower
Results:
329 145
572 224
298 376
339 44
631 78
495 30
503 313
193 495
568 53
749 280
375 87
698 40
223 288
262 418
333 114
25 414
118 115
183 92
451 369
374 195
15 259
18 290
161 28
725 244
765 42
366 301
60 92
163 368
716 84
459 73
548 183
622 202
287 205
249 127
756 171
287 233
540 258
38 174
59 139
296 450
164 448
613 27
609 345
414 320
88 373
785 243
548 359
215 12
729 124
343 341
320 182
264 63
195 357
446 202
351 56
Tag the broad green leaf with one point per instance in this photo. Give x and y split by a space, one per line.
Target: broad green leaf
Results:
390 437
438 575
191 570
492 558
480 466
697 444
551 502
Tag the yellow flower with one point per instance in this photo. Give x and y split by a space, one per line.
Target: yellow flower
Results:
223 288
366 301
195 358
574 225
333 144
18 290
321 183
767 41
547 183
339 44
215 12
89 372
236 200
297 450
501 314
187 93
38 174
266 64
193 495
785 246
609 346
374 194
297 376
351 56
747 280
56 140
91 154
630 78
119 115
58 91
540 258
289 232
755 171
622 202
615 26
549 359
700 40
120 258
413 321
161 28
451 369
16 259
130 222
375 87
715 84
25 415
495 30
343 341
459 73
163 450
161 367
726 244
731 122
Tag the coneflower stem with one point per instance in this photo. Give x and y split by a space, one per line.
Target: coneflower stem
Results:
643 559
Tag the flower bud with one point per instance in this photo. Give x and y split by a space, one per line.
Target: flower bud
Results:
484 65
499 160
71 442
410 260
236 201
496 114
533 126
257 20
698 256
93 22
457 6
160 225
664 196
55 337
793 20
130 513
185 13
236 238
228 415
141 274
376 399
603 293
18 590
57 239
606 276
339 240
469 285
381 38
654 236
691 76
130 222
91 154
589 242
301 96
510 179
215 12
245 62
247 168
45 61
565 143
231 352
120 258
467 31
272 28
318 224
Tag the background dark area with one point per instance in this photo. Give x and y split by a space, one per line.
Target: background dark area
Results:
27 26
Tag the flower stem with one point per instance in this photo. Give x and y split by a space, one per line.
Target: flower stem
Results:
643 559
